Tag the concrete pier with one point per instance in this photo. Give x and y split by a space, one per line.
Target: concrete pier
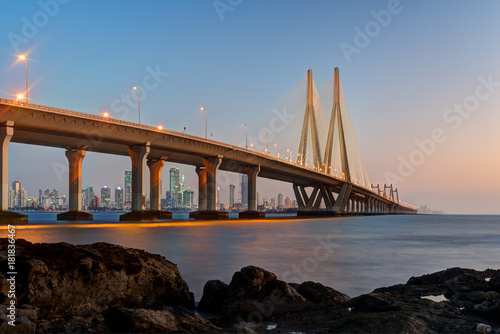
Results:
207 185
155 167
252 212
6 216
138 155
75 160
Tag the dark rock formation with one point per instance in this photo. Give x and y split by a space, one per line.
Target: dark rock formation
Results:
318 293
214 294
169 320
469 298
72 286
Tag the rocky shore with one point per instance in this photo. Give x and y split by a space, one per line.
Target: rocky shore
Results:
105 288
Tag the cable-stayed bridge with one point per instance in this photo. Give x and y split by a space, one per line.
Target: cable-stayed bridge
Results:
325 169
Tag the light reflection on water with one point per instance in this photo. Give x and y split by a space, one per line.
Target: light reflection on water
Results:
367 252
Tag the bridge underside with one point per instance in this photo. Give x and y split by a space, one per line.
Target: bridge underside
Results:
79 133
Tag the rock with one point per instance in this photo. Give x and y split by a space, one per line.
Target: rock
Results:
214 294
318 293
247 283
256 295
70 286
25 321
170 320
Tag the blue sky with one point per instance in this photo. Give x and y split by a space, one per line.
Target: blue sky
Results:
428 57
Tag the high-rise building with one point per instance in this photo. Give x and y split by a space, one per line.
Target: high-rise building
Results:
231 195
40 198
175 187
168 199
280 199
12 198
16 186
23 195
118 197
288 202
89 195
94 203
244 189
128 188
105 196
188 195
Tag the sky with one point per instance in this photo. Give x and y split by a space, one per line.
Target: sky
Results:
421 79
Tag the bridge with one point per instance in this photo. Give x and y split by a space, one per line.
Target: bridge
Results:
318 190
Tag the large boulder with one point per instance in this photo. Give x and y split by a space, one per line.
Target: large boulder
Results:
256 295
63 281
214 294
318 293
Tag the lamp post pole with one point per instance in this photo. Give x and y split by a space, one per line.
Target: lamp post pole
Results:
138 101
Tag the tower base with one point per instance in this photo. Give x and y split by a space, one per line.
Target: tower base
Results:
75 215
251 214
209 215
9 217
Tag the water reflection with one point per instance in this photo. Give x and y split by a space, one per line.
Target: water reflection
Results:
366 252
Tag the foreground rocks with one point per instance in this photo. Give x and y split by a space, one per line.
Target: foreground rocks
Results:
71 288
105 288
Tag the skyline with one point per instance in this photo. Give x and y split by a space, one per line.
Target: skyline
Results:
384 83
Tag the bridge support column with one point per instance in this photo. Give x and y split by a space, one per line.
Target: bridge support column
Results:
202 188
252 212
75 160
155 167
208 186
7 217
138 155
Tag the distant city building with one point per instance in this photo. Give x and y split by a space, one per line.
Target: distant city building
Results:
16 186
280 199
188 196
231 195
288 202
89 195
128 188
168 199
105 196
94 203
175 187
118 197
244 189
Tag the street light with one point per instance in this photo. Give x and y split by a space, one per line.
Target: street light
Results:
138 101
278 148
19 97
206 119
105 114
267 142
25 58
246 135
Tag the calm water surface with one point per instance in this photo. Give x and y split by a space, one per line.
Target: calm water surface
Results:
353 255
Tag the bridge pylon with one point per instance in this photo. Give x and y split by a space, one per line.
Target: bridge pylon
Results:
336 121
309 117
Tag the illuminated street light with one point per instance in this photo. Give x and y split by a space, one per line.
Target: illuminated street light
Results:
25 58
138 101
19 97
206 120
160 127
105 114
